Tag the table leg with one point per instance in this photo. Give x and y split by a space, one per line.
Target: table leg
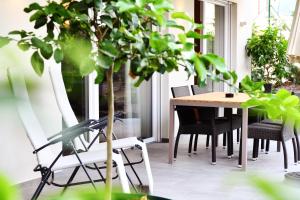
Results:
244 138
171 133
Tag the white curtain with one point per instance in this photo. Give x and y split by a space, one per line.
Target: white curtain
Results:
294 41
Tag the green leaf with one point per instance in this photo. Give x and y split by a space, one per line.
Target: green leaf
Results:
182 38
24 46
195 35
40 22
234 76
7 192
109 49
4 41
107 21
37 63
87 66
158 42
105 61
182 15
33 6
58 55
22 33
291 101
47 51
125 6
173 24
36 42
100 76
36 15
217 61
117 65
200 69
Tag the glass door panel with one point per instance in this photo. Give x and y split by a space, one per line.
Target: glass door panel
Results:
134 104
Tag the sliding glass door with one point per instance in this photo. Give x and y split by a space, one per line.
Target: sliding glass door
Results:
134 106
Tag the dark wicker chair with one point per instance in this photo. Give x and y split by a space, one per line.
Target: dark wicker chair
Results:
280 133
234 120
193 121
279 123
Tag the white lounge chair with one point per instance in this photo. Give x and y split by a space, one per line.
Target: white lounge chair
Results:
48 162
71 120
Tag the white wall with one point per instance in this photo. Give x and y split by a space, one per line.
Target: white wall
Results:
176 78
247 11
17 160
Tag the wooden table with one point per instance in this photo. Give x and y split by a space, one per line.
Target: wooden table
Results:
214 99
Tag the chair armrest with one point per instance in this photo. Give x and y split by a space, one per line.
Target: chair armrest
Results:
65 136
85 123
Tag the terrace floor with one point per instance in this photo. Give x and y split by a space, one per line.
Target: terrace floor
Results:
193 177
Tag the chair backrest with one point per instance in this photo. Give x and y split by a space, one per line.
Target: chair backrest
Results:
63 102
186 114
34 131
198 90
205 113
62 97
288 129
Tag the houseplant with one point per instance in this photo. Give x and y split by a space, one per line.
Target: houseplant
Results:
104 36
268 51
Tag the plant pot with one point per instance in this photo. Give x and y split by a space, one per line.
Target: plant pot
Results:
268 87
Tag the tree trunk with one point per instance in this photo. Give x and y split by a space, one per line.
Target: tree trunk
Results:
108 186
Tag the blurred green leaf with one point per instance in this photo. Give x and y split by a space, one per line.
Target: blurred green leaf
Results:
37 63
58 55
182 15
4 41
24 46
7 191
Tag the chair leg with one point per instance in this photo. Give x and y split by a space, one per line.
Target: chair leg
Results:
207 141
298 146
295 151
285 156
262 147
42 184
231 143
240 153
176 145
237 135
196 142
191 143
224 140
70 179
121 172
255 149
278 146
213 148
147 165
217 140
267 146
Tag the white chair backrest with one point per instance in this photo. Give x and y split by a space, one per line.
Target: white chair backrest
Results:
63 102
34 131
62 97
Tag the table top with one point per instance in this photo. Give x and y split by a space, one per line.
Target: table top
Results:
213 99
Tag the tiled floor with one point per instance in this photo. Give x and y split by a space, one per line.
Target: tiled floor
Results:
193 177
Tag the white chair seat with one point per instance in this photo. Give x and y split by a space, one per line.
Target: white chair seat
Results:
71 160
123 143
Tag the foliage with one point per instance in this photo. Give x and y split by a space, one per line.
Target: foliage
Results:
107 33
281 105
268 52
103 36
7 192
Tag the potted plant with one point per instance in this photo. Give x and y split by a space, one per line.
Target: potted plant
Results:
106 35
269 61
